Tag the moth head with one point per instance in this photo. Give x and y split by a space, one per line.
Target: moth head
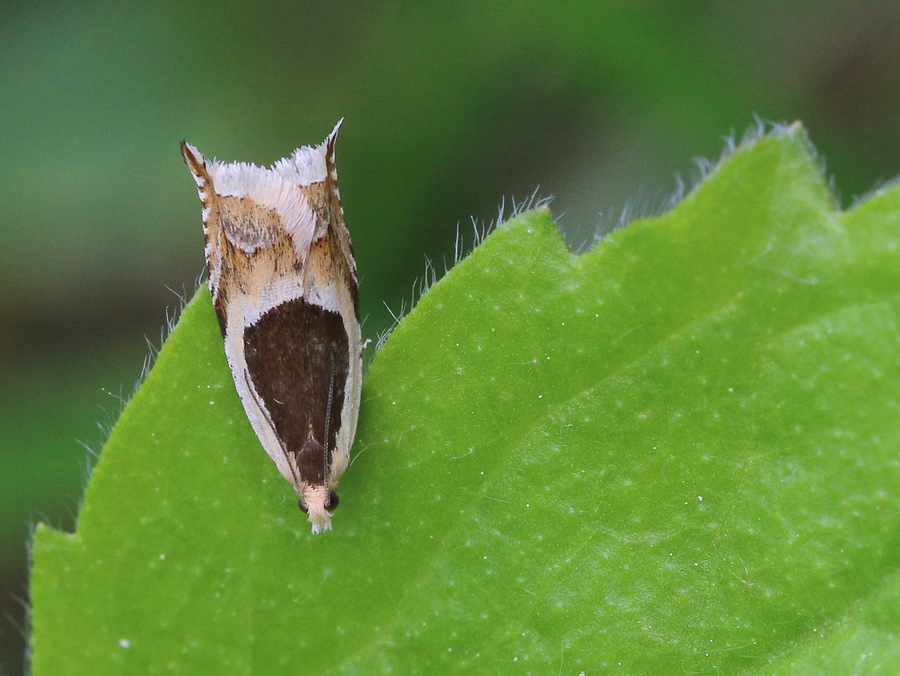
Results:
318 502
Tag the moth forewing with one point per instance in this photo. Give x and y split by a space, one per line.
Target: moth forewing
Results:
283 282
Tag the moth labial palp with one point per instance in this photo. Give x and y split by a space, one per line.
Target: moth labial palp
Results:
283 283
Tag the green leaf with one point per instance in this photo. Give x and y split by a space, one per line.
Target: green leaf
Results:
677 452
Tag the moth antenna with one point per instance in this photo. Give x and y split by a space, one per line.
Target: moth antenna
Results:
325 458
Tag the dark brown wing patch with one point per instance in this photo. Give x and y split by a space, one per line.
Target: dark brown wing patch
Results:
298 355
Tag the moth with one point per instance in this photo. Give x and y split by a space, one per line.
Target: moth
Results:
283 282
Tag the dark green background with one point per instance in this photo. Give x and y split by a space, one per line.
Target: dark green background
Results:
449 108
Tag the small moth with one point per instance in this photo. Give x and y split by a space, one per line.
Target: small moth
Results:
283 283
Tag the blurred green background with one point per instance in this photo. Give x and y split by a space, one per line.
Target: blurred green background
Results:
449 107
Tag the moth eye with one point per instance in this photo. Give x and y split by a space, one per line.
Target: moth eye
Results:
332 501
303 508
